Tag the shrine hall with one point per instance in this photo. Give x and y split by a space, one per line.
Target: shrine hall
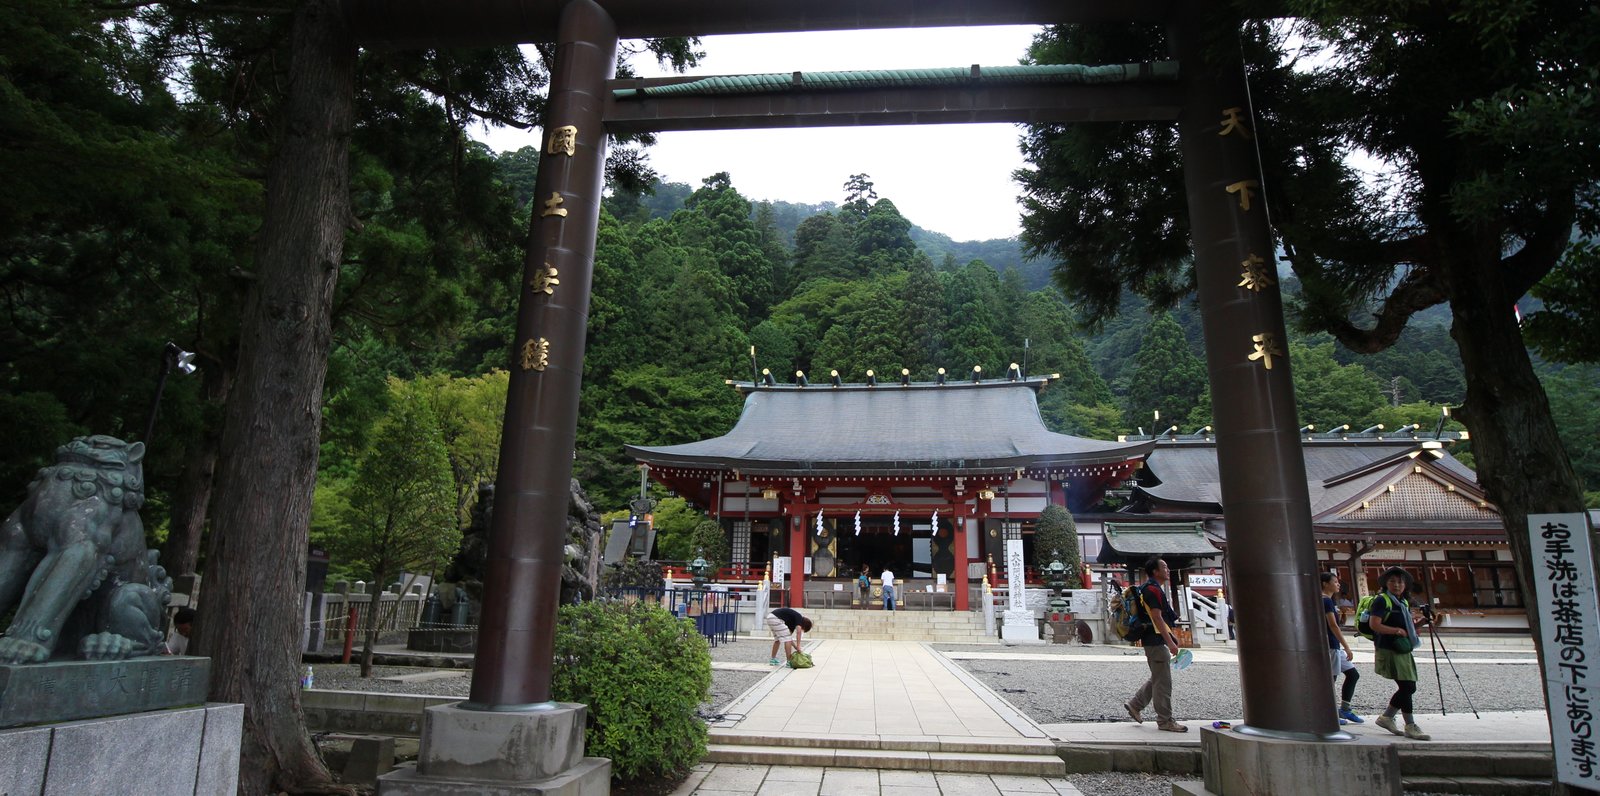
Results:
925 479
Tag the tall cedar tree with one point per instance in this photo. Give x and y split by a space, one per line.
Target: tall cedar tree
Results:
1481 109
402 510
1167 378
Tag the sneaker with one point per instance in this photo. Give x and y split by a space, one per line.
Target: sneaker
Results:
1415 733
1134 713
1342 722
774 662
1171 726
1387 722
1346 714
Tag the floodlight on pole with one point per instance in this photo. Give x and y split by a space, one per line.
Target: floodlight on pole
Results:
171 357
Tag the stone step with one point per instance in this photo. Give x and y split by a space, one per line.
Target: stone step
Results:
1476 762
892 743
1477 786
961 762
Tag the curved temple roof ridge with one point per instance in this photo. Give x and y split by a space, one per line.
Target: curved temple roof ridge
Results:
991 426
906 78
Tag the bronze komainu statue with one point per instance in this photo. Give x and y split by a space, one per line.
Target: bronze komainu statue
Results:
73 554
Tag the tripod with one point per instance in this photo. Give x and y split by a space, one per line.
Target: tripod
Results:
1437 645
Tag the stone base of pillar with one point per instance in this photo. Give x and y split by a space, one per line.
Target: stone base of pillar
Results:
1237 764
500 753
1020 628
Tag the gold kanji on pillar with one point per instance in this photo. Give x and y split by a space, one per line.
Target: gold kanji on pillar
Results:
1233 122
536 354
1267 347
1246 191
552 206
544 280
563 141
1255 275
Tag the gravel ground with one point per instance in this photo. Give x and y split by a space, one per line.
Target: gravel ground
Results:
1053 692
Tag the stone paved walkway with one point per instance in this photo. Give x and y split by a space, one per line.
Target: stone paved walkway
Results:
746 780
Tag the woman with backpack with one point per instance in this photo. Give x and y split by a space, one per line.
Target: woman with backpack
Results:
1395 633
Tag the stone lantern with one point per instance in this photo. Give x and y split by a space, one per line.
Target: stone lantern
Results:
1056 579
700 570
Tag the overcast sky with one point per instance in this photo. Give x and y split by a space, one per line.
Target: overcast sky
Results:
949 178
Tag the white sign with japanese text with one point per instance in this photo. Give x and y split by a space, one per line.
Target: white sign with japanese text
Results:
1205 581
1016 575
1570 642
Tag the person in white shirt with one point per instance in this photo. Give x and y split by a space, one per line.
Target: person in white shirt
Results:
182 626
888 590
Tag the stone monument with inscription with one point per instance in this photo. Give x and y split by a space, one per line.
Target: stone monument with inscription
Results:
1019 627
84 684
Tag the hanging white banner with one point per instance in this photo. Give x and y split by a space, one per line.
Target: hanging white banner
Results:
858 523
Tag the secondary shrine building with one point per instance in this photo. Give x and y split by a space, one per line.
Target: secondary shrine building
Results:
926 480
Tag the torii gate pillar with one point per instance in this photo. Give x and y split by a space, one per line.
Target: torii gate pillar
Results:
509 733
1284 666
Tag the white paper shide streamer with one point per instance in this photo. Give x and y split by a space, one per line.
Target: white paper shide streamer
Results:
819 523
858 522
896 522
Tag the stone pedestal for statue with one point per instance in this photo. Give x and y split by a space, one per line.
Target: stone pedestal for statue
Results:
537 751
178 751
1238 764
1020 628
140 725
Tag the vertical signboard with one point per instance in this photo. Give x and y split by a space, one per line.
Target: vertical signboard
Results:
1564 591
1016 575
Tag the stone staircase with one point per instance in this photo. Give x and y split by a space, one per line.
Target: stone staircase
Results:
950 627
1513 770
1033 757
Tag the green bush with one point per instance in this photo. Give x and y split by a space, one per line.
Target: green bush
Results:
642 673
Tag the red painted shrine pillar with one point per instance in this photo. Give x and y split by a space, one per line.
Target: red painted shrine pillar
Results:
958 547
797 558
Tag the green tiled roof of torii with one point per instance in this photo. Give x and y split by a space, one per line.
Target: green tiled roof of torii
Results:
1161 71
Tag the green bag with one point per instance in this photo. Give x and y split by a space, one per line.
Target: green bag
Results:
800 660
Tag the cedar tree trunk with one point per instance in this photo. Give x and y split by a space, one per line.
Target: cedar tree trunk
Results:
1521 462
250 623
189 509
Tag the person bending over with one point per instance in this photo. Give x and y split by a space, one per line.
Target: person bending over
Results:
787 626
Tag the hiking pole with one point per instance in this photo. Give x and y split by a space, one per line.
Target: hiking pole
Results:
1435 636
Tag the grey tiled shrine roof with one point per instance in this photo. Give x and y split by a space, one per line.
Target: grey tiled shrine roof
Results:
919 428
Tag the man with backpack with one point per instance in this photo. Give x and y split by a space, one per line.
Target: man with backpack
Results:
1159 645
